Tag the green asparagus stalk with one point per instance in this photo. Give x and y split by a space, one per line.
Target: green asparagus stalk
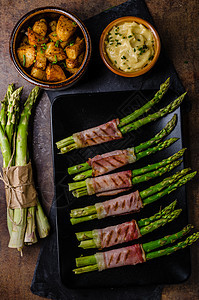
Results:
89 212
144 109
167 239
90 243
161 214
153 117
30 233
155 140
4 105
170 189
12 109
89 263
87 235
159 136
138 175
181 245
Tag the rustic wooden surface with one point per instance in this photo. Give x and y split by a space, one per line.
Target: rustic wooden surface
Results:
177 22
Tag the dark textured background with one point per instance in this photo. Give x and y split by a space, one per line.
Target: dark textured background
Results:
177 23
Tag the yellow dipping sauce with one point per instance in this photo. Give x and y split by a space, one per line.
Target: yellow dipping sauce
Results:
130 46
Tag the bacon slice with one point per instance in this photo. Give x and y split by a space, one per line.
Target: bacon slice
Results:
111 182
118 234
131 255
97 135
102 164
122 205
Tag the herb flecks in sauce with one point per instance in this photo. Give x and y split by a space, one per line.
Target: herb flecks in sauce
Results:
130 46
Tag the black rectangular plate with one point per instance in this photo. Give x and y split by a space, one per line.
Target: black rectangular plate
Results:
73 113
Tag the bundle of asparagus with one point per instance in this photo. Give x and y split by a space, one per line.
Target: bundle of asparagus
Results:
116 128
132 202
113 184
132 255
23 219
102 164
128 231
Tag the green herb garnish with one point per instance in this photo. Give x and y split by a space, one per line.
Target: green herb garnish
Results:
123 57
74 23
130 36
57 44
54 34
24 60
54 62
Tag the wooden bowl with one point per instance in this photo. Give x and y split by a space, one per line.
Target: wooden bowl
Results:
49 13
105 58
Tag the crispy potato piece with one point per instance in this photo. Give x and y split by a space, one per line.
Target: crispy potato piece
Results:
53 36
53 25
26 53
40 58
71 63
54 53
81 58
75 50
72 71
65 28
55 73
40 27
36 39
38 73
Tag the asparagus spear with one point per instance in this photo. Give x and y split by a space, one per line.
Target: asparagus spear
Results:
153 117
154 140
70 143
4 105
90 263
102 242
167 185
159 147
144 109
12 109
138 175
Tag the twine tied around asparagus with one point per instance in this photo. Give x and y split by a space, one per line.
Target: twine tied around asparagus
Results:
18 195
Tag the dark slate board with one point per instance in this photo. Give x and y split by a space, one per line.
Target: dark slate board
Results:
46 281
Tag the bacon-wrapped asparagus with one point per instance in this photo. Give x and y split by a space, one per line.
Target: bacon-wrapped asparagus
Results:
134 254
102 164
128 231
113 184
115 129
132 202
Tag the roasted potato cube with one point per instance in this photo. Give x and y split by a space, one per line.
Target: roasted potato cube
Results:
40 27
54 53
53 36
73 70
71 63
36 39
65 28
53 25
75 50
40 58
26 55
55 73
81 58
38 73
